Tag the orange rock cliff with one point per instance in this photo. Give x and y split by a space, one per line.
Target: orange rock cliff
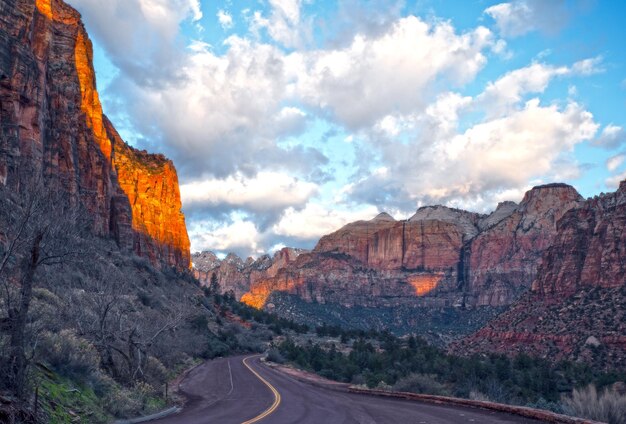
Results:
52 121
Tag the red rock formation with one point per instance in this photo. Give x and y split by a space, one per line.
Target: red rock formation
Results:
52 123
502 260
577 306
589 249
233 274
438 257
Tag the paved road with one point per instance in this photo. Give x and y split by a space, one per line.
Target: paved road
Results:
243 390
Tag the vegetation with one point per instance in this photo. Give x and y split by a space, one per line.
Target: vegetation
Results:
608 406
410 364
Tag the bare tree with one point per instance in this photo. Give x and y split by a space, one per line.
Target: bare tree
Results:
39 228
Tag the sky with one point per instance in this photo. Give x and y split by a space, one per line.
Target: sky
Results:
287 119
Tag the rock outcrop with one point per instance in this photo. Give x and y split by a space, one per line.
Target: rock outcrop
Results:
440 257
578 295
233 274
53 125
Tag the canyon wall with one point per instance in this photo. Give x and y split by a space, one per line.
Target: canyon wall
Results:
576 308
440 257
53 127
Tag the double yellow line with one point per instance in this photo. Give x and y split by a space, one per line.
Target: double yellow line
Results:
274 391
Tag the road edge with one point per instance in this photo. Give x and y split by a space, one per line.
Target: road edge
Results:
539 414
165 412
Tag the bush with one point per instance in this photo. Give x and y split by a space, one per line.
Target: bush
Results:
420 383
274 355
71 356
608 407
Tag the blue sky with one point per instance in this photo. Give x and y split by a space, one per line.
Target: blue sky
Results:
287 119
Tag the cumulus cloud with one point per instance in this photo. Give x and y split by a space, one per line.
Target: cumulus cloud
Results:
519 17
141 36
471 168
397 71
240 237
612 136
314 221
506 92
266 194
227 116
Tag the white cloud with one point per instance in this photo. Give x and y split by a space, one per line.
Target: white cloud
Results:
506 92
314 221
612 137
265 191
519 17
140 36
284 24
474 167
615 162
588 66
614 180
241 236
225 19
395 72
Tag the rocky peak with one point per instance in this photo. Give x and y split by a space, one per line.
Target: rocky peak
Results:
205 261
383 216
543 198
467 221
504 210
234 260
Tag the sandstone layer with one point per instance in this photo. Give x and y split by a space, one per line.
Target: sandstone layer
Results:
53 126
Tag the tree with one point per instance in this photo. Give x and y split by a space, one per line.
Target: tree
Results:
214 286
38 228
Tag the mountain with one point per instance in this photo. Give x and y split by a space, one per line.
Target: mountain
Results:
236 275
443 261
576 308
53 125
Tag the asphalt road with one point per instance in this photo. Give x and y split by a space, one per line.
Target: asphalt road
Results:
243 390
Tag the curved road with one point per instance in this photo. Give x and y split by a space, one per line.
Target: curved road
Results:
241 390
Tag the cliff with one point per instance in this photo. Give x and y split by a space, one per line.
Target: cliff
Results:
577 305
440 257
233 274
53 125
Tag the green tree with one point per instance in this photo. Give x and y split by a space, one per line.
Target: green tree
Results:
214 285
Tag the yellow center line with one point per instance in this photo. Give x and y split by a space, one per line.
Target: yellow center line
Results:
274 391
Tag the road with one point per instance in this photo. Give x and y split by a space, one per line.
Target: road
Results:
243 390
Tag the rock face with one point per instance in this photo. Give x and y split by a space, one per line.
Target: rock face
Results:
233 274
440 257
576 308
502 260
52 124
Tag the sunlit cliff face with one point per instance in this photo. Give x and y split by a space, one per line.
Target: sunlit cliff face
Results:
260 292
45 8
149 181
424 284
90 101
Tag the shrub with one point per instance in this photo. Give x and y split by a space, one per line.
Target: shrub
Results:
70 355
608 407
420 383
274 355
